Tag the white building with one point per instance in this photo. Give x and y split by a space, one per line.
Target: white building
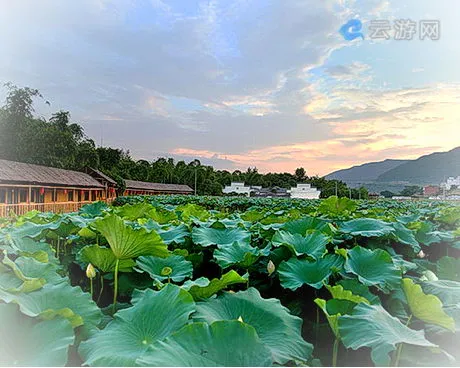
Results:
304 191
451 181
237 187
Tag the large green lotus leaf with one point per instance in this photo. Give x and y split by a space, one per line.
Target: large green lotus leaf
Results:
30 342
191 211
30 268
425 234
126 242
175 268
307 224
224 343
162 215
357 288
366 227
335 206
448 268
373 267
58 300
13 279
134 211
446 290
427 308
333 309
252 215
373 327
28 247
154 316
202 288
104 259
405 236
206 236
93 209
338 292
241 254
32 230
278 330
313 244
176 234
419 356
296 272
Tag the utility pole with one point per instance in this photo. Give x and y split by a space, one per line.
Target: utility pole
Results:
336 189
359 192
349 190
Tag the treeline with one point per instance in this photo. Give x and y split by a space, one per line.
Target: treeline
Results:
59 142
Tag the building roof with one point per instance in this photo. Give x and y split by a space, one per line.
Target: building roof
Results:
158 187
12 172
103 176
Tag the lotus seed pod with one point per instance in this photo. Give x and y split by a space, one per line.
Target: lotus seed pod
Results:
270 267
90 271
166 271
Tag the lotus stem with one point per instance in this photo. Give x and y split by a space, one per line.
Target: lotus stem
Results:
115 291
91 287
57 248
335 352
400 346
102 288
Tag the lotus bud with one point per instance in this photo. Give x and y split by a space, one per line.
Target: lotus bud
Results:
270 267
90 271
240 319
166 271
429 276
421 254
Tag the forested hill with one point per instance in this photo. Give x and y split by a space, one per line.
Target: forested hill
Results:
429 169
366 172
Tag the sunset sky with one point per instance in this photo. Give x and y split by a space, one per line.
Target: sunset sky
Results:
240 83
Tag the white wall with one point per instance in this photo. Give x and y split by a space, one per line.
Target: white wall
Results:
237 187
304 191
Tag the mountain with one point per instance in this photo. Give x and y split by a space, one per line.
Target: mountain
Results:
365 173
429 169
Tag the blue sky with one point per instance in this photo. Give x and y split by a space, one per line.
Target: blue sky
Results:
241 83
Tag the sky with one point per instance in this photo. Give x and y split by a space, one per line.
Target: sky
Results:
270 84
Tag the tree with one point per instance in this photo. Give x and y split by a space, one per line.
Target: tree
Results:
387 194
411 190
300 174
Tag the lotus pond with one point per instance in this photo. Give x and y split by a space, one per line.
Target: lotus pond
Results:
213 281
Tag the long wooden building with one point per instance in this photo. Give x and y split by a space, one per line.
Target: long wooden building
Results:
134 187
25 187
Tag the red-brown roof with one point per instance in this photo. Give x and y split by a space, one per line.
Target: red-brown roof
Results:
157 187
12 172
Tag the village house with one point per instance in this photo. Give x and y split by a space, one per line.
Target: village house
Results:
25 187
304 191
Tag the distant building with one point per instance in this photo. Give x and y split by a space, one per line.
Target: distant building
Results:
451 181
134 187
373 195
238 188
431 190
304 191
274 192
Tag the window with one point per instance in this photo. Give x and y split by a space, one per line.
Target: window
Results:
2 195
93 195
22 195
86 195
70 196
